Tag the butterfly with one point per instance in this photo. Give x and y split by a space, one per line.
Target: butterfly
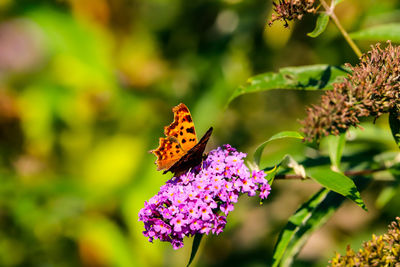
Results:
179 151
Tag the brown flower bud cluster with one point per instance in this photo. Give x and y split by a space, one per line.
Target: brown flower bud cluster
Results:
372 89
382 250
288 10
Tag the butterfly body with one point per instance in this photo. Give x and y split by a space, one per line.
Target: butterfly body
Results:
179 150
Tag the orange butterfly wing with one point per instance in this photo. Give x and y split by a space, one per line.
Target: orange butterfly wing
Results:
192 158
180 138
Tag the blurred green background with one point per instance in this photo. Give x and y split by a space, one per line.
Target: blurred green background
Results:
86 87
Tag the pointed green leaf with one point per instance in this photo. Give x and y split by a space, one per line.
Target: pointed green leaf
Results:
313 77
285 134
337 182
307 219
320 26
382 33
335 146
394 122
195 247
299 219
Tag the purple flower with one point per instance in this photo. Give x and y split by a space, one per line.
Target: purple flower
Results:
176 243
200 200
206 212
265 190
196 225
161 227
178 222
226 208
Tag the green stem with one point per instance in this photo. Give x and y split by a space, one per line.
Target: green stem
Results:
330 11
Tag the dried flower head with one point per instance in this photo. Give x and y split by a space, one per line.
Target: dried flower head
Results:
199 201
382 250
288 10
372 89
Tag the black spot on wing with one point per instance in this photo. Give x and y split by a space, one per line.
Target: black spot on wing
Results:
190 130
192 158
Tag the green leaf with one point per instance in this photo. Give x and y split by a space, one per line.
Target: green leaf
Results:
335 146
285 134
382 32
394 122
312 77
336 182
302 223
271 174
320 26
306 220
195 247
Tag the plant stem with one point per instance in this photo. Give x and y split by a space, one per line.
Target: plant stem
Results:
347 173
330 11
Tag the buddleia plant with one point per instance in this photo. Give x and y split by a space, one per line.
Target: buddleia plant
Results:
372 89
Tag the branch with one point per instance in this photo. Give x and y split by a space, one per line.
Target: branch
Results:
330 12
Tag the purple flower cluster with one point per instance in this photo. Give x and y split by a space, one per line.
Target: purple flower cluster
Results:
199 201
